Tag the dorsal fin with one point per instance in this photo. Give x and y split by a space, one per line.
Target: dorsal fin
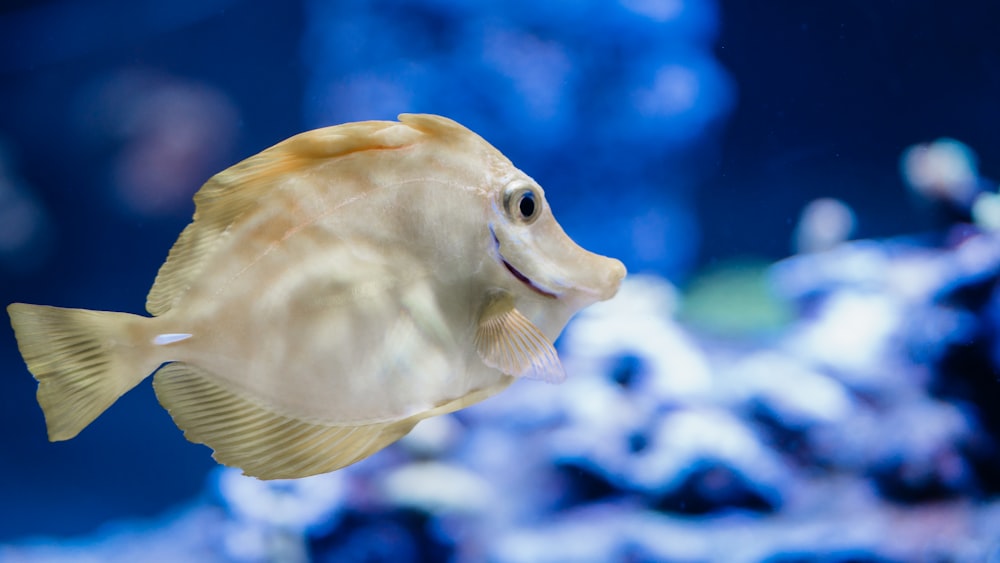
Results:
230 194
434 124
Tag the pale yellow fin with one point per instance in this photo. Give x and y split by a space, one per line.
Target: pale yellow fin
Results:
508 341
262 443
434 124
231 194
82 360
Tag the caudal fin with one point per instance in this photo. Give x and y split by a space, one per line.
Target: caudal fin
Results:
83 361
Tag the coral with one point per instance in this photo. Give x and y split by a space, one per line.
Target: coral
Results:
829 441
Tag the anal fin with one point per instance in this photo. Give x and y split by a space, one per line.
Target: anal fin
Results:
262 443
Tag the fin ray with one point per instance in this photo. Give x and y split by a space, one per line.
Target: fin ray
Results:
263 443
508 341
74 355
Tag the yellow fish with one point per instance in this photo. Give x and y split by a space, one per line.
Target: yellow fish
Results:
331 292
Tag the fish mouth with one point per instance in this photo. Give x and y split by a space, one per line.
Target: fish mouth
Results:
517 273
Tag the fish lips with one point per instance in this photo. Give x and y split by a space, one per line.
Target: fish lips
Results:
517 273
586 276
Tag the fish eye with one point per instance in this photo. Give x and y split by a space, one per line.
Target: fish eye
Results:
522 203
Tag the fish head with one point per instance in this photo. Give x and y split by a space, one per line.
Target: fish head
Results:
524 250
534 255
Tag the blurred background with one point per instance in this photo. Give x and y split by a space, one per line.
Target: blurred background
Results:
803 365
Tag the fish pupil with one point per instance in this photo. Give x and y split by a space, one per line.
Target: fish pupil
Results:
527 205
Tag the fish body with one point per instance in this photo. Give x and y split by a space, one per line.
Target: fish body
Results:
330 293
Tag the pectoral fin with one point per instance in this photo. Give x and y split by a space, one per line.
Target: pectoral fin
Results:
508 341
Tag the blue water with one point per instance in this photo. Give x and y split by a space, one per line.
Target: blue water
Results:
742 402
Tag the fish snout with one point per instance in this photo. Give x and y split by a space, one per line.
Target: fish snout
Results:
599 277
614 273
551 263
591 277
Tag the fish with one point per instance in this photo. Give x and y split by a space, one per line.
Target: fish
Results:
331 292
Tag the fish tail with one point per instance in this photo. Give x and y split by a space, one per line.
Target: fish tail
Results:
83 361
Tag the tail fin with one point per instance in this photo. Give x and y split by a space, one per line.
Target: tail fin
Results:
83 361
